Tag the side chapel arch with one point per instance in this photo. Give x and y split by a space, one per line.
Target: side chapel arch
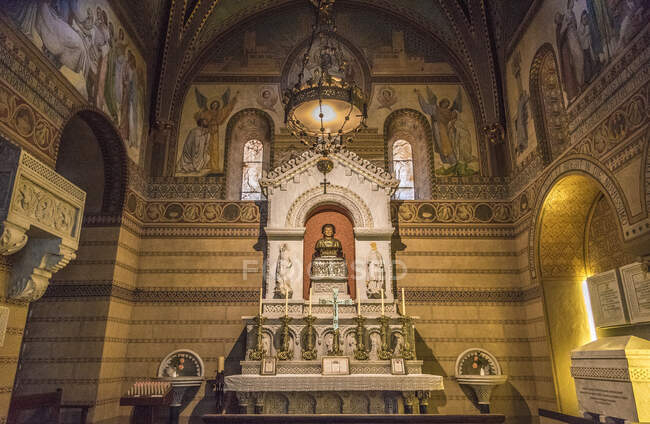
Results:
413 127
549 114
245 125
113 154
561 256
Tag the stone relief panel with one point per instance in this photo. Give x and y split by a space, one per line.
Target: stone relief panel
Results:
21 120
415 212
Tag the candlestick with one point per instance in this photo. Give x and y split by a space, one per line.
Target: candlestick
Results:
286 303
260 301
221 364
359 305
403 303
310 301
382 302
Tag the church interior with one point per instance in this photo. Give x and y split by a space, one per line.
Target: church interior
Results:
213 210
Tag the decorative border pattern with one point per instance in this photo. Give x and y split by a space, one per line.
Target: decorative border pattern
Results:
232 295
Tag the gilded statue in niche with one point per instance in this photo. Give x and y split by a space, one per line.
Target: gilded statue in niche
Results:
328 246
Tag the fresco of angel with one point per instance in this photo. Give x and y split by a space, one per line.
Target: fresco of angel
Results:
451 136
202 148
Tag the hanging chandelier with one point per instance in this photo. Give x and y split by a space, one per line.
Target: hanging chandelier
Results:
325 108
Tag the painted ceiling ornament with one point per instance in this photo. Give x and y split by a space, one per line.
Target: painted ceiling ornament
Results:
386 97
325 107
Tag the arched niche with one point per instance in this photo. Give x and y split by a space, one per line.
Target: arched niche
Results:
549 114
337 215
92 156
243 126
576 228
413 127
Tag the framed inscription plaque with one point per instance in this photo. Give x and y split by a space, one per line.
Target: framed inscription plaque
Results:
335 365
606 299
636 285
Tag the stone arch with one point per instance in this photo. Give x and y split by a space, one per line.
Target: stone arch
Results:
359 403
113 154
336 195
580 165
570 195
276 403
329 403
412 126
547 104
245 125
303 403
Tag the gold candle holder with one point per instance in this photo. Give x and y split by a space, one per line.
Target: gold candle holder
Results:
259 352
360 353
384 352
336 345
308 349
408 349
285 353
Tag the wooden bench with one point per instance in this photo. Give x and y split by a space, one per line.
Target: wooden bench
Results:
46 409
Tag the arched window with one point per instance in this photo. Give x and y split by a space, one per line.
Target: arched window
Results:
403 169
252 170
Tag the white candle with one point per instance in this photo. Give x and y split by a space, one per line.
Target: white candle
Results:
260 301
221 364
382 302
286 302
310 301
403 303
359 305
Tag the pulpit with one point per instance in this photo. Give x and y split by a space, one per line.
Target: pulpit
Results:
298 334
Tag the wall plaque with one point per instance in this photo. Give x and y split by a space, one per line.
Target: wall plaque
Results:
606 299
636 285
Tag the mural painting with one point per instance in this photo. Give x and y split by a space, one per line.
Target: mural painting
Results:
589 33
202 150
388 47
88 45
452 140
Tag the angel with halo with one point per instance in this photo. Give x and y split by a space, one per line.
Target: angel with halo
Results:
451 136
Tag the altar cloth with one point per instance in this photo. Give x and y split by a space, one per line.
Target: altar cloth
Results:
318 382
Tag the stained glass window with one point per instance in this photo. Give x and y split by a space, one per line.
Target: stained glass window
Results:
252 170
403 168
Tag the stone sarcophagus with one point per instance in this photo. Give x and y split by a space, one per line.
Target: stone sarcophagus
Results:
612 377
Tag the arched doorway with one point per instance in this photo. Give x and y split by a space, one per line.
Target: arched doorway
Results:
340 218
92 156
577 235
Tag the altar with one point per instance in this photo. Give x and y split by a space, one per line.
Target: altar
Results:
331 335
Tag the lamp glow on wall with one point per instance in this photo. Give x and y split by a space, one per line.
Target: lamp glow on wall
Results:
590 316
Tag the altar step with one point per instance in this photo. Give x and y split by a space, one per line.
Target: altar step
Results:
353 419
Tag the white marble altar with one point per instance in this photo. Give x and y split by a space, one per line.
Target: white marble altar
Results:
298 333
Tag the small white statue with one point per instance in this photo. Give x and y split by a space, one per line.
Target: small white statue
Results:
375 344
283 271
399 344
350 344
375 273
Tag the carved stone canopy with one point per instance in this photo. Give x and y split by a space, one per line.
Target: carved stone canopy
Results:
33 196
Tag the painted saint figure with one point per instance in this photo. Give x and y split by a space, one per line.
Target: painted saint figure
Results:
195 155
571 55
452 139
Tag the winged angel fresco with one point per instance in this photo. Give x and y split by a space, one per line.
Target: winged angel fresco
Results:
451 136
202 149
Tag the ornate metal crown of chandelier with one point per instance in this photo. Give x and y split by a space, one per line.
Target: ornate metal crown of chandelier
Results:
325 108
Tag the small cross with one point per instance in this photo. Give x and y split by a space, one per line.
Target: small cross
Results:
325 183
335 302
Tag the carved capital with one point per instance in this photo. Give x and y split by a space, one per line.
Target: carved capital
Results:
12 238
33 267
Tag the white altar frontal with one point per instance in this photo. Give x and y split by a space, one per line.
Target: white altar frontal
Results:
327 352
